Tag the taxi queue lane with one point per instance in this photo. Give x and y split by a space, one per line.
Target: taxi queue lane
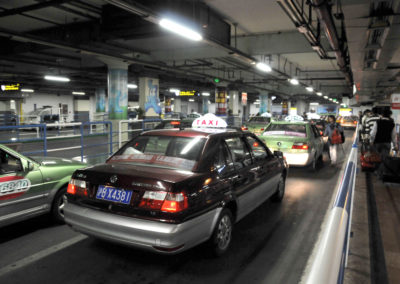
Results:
270 245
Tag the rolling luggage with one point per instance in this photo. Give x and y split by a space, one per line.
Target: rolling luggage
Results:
369 158
389 171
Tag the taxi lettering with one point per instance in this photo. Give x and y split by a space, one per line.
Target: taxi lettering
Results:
13 186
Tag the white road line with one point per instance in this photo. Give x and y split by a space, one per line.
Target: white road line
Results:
39 255
63 149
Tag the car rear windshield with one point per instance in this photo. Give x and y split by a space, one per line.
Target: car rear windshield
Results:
164 151
259 119
298 130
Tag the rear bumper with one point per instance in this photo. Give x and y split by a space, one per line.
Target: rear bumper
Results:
298 159
150 235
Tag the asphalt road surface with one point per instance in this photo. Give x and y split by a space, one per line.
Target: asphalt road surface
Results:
271 245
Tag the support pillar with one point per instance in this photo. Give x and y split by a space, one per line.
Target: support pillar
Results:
234 102
220 101
177 105
263 103
100 101
205 105
302 107
149 100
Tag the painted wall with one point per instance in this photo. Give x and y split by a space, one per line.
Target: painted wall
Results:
47 100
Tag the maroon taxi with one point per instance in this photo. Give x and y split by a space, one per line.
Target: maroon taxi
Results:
170 190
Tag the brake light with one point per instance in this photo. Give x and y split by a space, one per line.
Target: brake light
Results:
78 187
164 201
355 122
300 146
175 123
321 133
262 129
255 144
244 128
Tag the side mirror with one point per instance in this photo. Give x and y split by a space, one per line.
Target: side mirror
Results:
31 166
278 154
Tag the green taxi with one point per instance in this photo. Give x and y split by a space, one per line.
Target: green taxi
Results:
300 142
31 186
256 124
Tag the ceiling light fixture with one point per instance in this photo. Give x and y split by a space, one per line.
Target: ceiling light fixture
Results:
175 91
57 78
180 30
263 67
319 94
27 90
294 81
205 94
79 93
191 100
132 86
326 97
310 89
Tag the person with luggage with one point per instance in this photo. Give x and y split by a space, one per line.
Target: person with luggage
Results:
368 123
335 134
383 133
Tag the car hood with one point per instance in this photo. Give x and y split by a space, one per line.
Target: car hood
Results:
56 162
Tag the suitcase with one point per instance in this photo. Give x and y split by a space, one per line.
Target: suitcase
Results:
369 160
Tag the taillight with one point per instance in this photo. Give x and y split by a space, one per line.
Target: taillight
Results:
164 201
244 128
262 129
321 133
175 123
76 186
300 146
355 122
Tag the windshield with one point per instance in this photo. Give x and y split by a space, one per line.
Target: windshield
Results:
298 130
165 151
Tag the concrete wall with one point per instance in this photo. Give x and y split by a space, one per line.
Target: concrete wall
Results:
47 100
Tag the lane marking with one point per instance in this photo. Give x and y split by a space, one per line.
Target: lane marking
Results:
63 149
39 255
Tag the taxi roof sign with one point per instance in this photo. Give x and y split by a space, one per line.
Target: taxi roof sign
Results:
209 120
294 118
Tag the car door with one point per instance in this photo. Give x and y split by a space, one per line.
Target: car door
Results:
245 178
20 189
268 168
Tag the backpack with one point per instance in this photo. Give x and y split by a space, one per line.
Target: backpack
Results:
336 137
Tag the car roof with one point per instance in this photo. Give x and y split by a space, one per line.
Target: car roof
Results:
191 132
291 122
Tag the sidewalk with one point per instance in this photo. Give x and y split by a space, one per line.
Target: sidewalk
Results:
374 255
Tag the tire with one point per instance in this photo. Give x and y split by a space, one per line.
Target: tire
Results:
57 212
280 191
222 235
314 164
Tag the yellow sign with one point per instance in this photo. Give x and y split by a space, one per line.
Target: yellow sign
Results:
12 87
187 93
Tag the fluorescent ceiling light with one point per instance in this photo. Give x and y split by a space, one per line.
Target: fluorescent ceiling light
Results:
191 100
319 94
132 86
310 89
273 98
294 81
263 67
205 94
228 97
330 99
79 93
325 97
180 30
354 89
175 91
57 78
27 90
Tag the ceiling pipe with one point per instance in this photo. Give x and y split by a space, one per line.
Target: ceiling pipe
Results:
324 15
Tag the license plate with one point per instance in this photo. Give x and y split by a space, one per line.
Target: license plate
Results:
110 193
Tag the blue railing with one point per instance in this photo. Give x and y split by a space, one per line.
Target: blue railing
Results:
330 260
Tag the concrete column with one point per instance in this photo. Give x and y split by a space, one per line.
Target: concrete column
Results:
263 103
205 105
149 99
220 101
234 102
100 98
177 105
302 107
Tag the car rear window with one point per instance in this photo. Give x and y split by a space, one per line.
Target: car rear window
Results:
259 119
298 130
166 151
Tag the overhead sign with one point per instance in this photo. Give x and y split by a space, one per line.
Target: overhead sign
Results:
244 99
345 111
209 120
395 101
187 93
11 87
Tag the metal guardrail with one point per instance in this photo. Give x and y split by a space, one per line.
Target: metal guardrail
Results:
331 258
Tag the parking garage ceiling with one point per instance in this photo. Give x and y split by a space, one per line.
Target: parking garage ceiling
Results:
76 38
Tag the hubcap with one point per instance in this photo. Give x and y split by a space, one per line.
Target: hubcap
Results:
224 232
61 206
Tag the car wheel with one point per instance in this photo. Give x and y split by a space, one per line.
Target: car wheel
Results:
222 235
57 209
280 191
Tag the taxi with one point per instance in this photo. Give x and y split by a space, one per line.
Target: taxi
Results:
348 122
257 124
31 186
300 141
169 190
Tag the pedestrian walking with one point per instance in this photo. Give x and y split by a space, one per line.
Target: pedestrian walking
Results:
383 134
335 134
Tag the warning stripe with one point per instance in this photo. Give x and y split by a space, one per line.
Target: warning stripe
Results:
10 178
